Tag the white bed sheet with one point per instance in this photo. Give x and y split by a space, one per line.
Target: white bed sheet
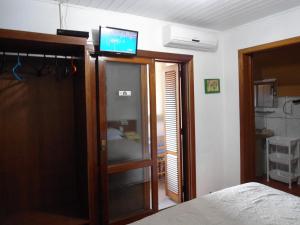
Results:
246 204
124 150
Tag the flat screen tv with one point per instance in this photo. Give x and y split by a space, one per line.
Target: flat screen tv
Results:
116 41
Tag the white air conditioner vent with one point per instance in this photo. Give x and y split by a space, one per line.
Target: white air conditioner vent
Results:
180 37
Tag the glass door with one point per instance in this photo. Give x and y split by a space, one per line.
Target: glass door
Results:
127 127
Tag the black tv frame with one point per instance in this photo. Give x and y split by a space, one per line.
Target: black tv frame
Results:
112 53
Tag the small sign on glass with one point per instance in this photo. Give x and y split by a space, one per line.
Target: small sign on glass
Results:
125 93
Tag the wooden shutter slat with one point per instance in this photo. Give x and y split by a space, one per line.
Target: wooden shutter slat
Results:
172 133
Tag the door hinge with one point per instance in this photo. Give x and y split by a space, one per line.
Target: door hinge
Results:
103 145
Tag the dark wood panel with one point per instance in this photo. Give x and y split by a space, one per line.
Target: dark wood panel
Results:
247 129
44 135
153 134
38 43
40 218
41 37
188 131
117 168
281 64
135 60
164 56
43 154
91 134
102 142
271 45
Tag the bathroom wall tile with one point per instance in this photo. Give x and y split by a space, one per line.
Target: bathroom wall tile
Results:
280 123
277 125
278 111
293 127
281 101
260 122
295 109
272 112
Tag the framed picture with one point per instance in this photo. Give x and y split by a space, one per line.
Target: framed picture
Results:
212 86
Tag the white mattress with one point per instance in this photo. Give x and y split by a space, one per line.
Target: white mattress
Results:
247 204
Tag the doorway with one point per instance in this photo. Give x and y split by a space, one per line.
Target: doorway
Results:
168 108
270 125
127 128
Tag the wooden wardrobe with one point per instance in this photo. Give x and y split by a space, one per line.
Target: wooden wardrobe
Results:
51 169
47 131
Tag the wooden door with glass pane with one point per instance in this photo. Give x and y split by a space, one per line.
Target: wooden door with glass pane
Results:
127 127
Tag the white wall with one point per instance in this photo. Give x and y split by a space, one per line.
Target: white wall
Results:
280 26
41 16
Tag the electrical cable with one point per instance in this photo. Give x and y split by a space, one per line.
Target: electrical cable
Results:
66 13
60 14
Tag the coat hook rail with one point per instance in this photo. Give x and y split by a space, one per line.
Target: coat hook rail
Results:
39 55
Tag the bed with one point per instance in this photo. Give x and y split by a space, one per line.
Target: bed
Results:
246 204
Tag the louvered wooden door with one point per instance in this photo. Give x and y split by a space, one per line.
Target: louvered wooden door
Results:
172 128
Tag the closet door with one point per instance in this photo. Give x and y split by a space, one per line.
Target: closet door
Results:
127 142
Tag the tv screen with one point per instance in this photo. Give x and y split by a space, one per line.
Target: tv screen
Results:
118 41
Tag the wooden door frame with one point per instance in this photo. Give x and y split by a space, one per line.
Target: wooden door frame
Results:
188 122
247 114
188 115
105 168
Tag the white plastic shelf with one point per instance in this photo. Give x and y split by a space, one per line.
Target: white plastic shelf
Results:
283 176
288 157
282 141
283 158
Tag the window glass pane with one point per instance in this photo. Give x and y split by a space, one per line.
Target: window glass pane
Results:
129 193
127 112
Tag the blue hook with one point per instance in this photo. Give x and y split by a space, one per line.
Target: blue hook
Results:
14 70
2 62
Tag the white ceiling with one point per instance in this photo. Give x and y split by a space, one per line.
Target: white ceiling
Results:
214 14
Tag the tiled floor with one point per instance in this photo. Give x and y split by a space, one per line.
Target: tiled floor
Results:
295 190
163 200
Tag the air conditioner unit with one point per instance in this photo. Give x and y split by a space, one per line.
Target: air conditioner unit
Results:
180 37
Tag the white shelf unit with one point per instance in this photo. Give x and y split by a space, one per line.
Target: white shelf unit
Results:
283 151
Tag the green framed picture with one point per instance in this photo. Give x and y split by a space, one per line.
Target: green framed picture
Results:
212 86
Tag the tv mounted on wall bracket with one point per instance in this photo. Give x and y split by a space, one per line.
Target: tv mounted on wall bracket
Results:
116 41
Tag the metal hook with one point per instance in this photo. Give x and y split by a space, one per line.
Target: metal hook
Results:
67 69
73 67
56 69
2 62
40 70
15 68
